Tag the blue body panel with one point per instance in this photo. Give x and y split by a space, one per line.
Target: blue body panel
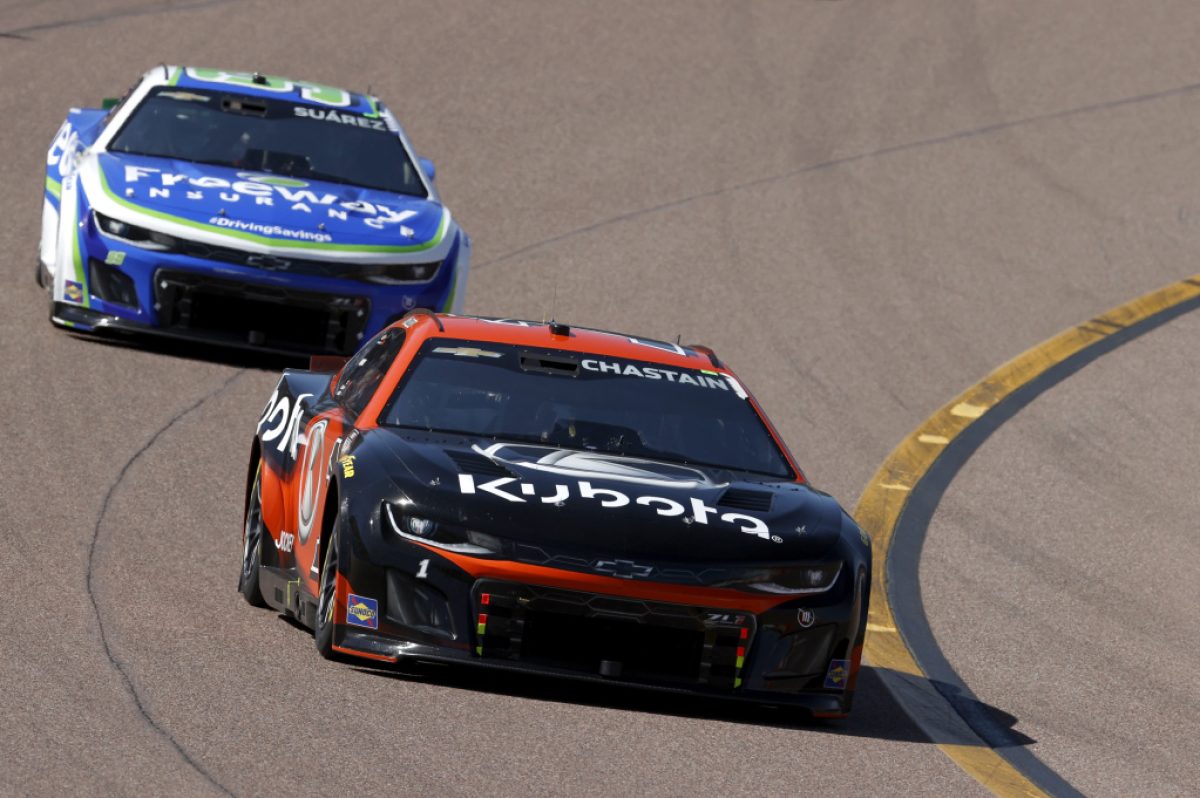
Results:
244 237
269 209
80 130
386 303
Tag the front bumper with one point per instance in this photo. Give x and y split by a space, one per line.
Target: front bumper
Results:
195 307
797 655
128 289
375 647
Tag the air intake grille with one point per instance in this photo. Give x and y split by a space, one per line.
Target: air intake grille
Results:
743 499
471 463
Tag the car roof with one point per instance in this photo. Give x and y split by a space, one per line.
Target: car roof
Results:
424 325
253 84
550 335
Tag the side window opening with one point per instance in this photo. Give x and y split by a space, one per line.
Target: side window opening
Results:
363 372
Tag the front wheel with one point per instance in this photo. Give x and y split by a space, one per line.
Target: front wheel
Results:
252 541
323 632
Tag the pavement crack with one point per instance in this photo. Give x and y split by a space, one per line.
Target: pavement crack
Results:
116 663
960 135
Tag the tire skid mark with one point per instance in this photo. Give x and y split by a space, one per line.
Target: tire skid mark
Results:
113 660
948 138
123 13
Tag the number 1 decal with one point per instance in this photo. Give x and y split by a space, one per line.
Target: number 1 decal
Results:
423 569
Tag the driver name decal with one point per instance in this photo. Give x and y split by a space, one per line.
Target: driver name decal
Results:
343 118
653 373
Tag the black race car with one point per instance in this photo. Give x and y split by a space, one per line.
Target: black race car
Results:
555 500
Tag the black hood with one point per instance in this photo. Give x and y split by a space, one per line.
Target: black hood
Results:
596 504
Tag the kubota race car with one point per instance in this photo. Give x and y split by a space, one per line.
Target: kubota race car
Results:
245 210
555 500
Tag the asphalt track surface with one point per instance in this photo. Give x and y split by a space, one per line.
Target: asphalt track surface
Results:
864 207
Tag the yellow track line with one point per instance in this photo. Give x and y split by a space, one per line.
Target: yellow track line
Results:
886 495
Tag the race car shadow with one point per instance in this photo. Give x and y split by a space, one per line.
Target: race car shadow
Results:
196 350
876 713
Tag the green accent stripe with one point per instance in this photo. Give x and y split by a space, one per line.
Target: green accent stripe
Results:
76 255
175 74
449 306
54 187
275 242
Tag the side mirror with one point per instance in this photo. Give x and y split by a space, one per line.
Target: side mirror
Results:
428 169
109 103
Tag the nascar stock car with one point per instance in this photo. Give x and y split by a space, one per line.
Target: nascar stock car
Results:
556 500
244 210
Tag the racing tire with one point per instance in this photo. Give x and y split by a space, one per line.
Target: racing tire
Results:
43 276
252 542
326 597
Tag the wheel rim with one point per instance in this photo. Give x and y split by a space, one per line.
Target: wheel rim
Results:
252 533
328 583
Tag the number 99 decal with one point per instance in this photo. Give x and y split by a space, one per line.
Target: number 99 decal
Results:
313 92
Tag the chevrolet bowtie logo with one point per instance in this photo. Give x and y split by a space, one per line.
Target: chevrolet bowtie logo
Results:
268 262
466 351
625 569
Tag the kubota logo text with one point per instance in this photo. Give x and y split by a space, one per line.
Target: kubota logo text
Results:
511 489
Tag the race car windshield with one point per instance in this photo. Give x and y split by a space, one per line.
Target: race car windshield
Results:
265 135
586 402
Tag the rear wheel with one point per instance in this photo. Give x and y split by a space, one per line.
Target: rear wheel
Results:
252 541
323 632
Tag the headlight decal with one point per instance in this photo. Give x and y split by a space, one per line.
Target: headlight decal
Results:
795 580
442 536
132 234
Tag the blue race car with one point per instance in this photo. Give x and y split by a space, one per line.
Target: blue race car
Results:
245 210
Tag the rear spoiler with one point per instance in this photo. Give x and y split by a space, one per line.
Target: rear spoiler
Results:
707 350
